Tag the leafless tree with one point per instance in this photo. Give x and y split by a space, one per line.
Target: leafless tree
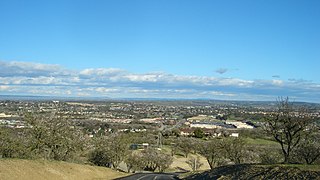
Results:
213 151
235 149
309 149
194 163
287 125
185 145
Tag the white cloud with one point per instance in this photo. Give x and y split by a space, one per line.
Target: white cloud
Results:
277 82
43 79
101 72
3 88
29 69
105 90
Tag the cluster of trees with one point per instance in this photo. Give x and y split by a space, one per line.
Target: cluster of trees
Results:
111 150
290 126
49 136
217 151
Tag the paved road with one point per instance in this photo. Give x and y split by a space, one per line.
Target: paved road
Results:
150 176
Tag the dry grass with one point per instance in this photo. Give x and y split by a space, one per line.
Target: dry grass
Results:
11 169
179 163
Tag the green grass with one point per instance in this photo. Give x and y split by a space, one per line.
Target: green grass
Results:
258 141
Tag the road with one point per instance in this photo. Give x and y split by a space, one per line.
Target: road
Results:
150 176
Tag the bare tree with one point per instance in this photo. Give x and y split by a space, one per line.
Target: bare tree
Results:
309 149
194 163
185 145
213 151
235 149
287 126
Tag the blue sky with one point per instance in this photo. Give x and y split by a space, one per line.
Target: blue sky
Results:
249 49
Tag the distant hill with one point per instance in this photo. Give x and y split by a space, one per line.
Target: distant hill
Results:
259 172
13 169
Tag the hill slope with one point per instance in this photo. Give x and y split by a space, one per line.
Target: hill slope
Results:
246 171
38 170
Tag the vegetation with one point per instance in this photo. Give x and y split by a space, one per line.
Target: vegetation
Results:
53 137
185 145
213 151
288 127
109 151
149 159
251 171
194 163
287 135
48 137
308 151
198 133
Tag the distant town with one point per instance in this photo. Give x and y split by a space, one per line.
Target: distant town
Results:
183 116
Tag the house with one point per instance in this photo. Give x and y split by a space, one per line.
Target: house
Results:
234 135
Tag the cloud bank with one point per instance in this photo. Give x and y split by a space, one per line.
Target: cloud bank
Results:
26 78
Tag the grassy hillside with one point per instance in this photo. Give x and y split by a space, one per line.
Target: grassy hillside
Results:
39 170
245 171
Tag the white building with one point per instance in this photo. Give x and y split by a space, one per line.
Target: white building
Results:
239 124
206 126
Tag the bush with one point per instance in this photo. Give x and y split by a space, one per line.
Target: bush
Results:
12 144
99 158
113 150
270 156
308 151
149 160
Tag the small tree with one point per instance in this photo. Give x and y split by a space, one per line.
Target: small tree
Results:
194 163
113 150
213 151
287 126
186 145
99 157
198 133
309 149
235 149
150 160
134 162
163 161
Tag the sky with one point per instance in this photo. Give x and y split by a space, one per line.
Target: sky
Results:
230 49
